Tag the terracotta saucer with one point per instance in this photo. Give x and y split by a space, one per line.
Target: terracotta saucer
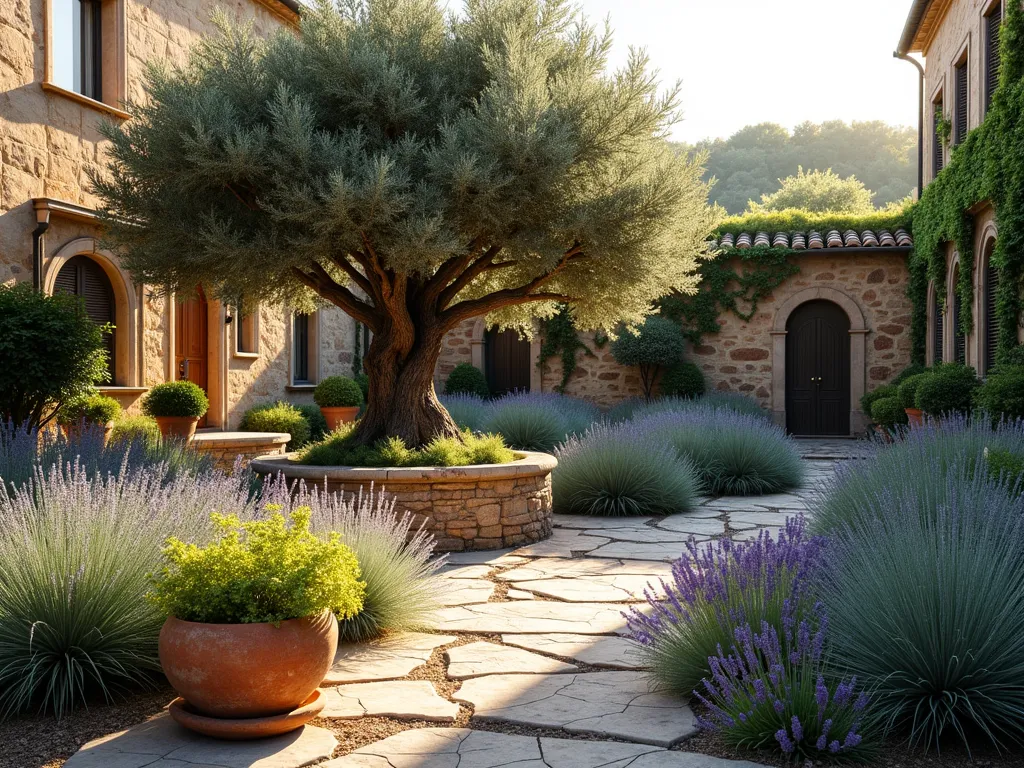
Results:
250 727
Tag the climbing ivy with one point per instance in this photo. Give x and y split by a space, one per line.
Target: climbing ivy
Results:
988 165
560 338
735 282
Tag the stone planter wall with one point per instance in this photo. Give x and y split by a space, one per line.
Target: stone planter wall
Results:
226 447
483 507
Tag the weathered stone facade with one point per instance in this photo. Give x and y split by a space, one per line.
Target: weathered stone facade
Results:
49 141
746 356
465 508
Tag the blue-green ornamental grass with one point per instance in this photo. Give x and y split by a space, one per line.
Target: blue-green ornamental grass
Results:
538 421
925 594
468 411
734 454
617 471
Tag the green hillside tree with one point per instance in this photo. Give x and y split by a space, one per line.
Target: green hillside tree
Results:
818 192
416 169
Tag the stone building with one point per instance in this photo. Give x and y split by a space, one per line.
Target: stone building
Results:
65 65
959 40
837 328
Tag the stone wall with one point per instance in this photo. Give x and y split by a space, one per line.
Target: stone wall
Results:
741 356
226 447
464 508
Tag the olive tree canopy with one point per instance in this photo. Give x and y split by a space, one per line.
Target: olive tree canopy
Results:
416 169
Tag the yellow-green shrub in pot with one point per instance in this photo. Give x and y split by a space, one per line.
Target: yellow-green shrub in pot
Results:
251 629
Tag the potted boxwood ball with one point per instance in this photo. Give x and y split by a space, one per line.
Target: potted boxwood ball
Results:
177 407
339 399
251 628
89 412
907 393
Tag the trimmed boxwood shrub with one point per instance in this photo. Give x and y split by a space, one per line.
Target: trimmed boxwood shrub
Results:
949 388
176 398
466 379
869 398
682 380
315 419
135 429
888 412
94 409
338 392
907 390
658 343
278 417
906 373
1002 394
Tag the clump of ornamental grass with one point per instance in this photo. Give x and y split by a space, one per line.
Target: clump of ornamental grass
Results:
920 461
734 454
264 570
770 693
636 407
925 594
403 589
76 547
538 421
467 410
715 588
339 449
616 471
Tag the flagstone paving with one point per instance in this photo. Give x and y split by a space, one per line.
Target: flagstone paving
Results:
479 659
465 748
535 638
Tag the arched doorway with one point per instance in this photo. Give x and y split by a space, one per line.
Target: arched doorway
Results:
81 276
191 341
507 361
818 370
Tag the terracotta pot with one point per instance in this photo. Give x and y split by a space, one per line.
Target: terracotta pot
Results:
916 416
883 433
335 417
178 426
75 430
248 670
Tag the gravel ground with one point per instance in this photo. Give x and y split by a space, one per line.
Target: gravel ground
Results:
44 742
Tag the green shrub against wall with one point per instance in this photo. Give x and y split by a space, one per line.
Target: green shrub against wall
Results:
989 165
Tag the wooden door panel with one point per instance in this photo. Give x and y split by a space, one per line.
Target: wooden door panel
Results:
191 340
507 362
818 370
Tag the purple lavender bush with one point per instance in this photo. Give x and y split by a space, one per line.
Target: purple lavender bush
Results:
721 586
770 692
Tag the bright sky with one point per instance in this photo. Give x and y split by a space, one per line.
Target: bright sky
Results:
782 61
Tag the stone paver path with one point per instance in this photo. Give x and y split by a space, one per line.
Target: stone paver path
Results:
531 638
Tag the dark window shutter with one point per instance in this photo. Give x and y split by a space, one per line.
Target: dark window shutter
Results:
959 342
937 158
300 341
938 328
993 25
81 276
962 87
991 318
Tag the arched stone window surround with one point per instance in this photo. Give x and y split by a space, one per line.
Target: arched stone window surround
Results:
930 324
987 242
950 330
127 305
477 347
858 351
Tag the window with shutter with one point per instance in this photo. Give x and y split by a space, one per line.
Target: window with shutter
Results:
81 276
959 342
937 139
993 24
991 317
937 328
304 349
962 85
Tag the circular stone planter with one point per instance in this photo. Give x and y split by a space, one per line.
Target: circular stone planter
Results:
488 506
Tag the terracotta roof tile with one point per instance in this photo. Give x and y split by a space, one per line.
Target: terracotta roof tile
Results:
799 241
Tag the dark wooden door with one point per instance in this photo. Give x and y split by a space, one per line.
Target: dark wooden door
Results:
190 341
506 362
818 370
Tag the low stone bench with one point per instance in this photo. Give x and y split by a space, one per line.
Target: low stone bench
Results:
488 506
226 447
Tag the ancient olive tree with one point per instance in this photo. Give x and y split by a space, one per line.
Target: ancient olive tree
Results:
416 169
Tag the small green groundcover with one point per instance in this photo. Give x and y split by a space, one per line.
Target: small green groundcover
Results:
337 449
